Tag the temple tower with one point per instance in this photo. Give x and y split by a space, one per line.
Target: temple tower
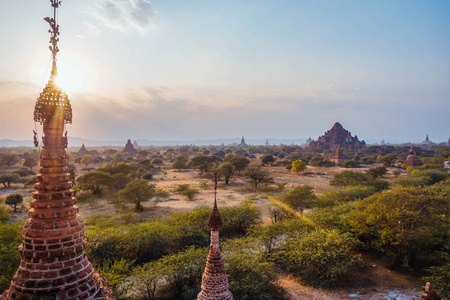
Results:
413 160
214 280
54 264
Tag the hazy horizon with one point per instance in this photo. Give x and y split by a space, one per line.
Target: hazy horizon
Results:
179 70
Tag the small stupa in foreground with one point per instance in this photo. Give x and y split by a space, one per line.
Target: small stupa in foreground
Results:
214 280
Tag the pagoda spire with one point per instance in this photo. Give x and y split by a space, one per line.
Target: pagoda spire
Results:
53 260
214 280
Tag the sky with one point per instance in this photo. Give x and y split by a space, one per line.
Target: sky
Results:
288 69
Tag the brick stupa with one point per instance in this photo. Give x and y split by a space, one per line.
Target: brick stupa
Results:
54 264
214 280
413 160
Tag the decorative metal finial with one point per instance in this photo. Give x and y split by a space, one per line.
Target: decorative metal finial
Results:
54 31
53 101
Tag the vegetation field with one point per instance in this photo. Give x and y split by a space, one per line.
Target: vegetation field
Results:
295 225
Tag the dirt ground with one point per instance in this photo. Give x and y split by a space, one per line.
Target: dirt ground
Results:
372 281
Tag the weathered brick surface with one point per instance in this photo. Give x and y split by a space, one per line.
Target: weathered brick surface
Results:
214 280
54 264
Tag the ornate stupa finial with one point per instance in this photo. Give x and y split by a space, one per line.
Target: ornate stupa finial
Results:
53 259
215 220
214 280
52 99
54 39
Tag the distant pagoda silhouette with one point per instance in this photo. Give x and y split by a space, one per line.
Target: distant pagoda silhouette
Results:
54 264
337 136
128 150
243 143
214 280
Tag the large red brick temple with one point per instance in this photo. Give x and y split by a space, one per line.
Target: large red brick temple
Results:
214 280
335 137
54 264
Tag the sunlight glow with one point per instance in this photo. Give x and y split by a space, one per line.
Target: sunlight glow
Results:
70 78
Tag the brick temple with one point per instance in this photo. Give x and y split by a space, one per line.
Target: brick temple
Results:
412 160
129 150
335 137
214 280
53 261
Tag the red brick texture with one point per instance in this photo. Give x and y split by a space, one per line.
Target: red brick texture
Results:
215 281
54 264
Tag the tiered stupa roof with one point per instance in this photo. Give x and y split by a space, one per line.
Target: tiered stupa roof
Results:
337 136
53 260
83 151
412 160
129 150
214 280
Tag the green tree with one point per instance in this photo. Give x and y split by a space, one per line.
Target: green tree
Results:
87 160
141 154
267 159
9 159
190 193
10 239
377 172
95 182
298 166
321 256
387 160
202 162
14 200
180 162
401 221
440 274
239 162
116 271
257 174
226 169
7 179
300 197
250 274
350 164
239 219
30 162
347 178
137 192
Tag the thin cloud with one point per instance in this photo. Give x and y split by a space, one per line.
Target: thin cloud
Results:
124 15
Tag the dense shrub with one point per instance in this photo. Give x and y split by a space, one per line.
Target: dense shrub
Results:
10 239
321 257
421 178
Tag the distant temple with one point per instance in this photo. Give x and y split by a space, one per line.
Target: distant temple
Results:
129 150
335 137
338 158
382 142
214 280
243 144
267 142
412 160
448 142
309 141
427 142
83 151
135 145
